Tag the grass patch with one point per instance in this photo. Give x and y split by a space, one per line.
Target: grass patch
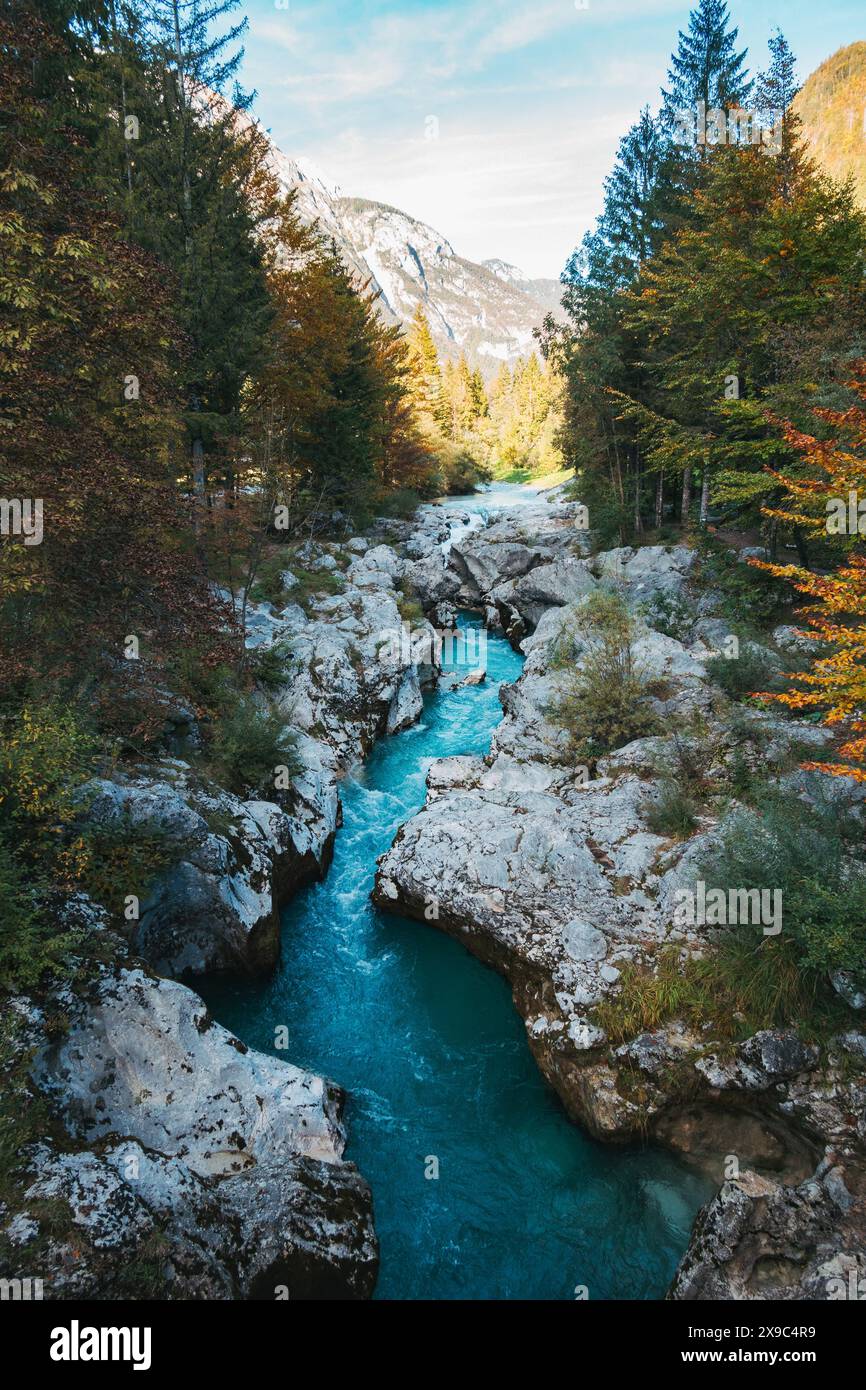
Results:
748 982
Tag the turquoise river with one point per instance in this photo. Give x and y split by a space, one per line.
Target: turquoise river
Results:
428 1045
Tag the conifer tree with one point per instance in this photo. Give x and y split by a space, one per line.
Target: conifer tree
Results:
706 66
426 384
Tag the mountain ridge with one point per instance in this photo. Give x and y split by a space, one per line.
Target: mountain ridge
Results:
832 107
487 310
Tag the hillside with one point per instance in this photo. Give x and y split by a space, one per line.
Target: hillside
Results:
832 107
488 311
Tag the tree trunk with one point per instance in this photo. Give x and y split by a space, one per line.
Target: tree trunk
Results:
198 475
774 540
705 492
687 496
802 548
660 498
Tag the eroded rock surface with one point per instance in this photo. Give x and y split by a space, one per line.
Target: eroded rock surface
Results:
202 1166
551 874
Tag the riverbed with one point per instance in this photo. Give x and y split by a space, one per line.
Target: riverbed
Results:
482 1187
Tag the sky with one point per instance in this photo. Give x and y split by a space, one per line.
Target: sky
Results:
495 121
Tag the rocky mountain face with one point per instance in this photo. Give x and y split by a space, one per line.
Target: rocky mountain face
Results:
488 311
832 107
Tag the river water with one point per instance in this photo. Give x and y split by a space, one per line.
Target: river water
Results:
428 1045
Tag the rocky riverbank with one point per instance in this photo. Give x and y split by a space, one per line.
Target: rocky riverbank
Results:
552 874
189 1166
176 1161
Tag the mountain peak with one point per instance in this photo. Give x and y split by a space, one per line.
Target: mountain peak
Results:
488 311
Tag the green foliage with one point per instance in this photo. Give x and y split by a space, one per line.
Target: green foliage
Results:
248 745
744 674
808 854
604 703
411 610
610 519
672 811
750 599
745 984
271 666
210 686
30 948
460 471
668 613
270 586
312 584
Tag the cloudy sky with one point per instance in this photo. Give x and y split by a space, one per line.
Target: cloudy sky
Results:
493 120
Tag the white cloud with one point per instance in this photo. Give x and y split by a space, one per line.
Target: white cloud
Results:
526 136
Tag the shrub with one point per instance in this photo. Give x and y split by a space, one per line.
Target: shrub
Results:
604 703
748 596
403 502
672 811
807 853
312 584
269 586
741 675
45 755
610 520
668 613
460 471
248 744
749 981
411 610
270 666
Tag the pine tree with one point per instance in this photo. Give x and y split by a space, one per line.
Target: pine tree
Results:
776 89
426 384
88 413
747 311
198 197
629 226
706 66
777 86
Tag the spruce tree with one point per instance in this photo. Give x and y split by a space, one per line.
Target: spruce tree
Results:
706 66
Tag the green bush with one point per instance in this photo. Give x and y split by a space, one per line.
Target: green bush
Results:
271 665
459 471
610 521
749 597
402 503
411 610
604 703
209 687
672 811
268 586
813 855
248 744
743 675
668 613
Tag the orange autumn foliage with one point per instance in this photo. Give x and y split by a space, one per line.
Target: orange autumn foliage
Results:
836 682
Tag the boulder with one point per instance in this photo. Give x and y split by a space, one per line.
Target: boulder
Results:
227 1161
